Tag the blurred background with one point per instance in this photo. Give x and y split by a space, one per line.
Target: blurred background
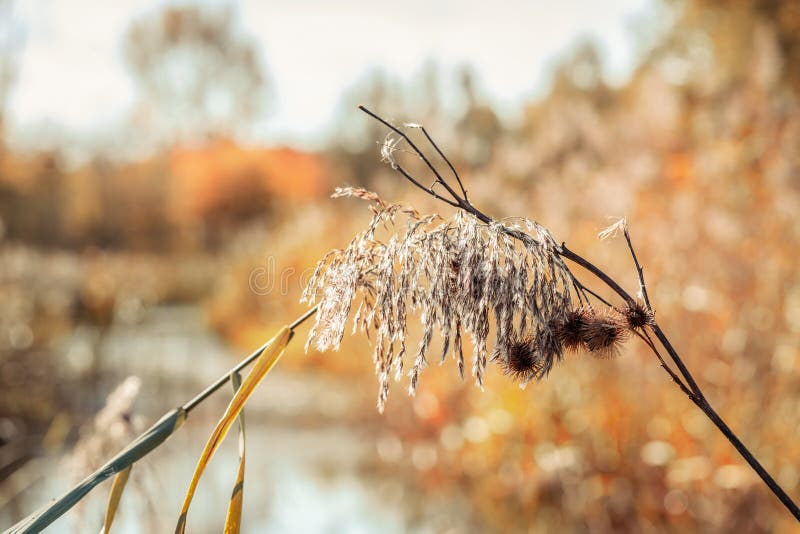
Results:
165 171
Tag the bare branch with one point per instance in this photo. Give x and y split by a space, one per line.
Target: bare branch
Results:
622 226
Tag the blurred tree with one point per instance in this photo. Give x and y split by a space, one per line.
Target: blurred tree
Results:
353 145
442 99
581 73
125 206
729 25
479 127
11 39
198 74
376 90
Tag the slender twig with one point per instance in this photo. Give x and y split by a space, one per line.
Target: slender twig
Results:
429 190
698 398
639 268
675 378
656 329
419 152
586 264
452 168
689 387
585 289
581 292
224 379
787 501
703 404
673 354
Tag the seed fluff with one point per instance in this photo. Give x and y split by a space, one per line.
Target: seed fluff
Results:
460 276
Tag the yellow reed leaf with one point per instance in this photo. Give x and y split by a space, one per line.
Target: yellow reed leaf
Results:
117 487
269 356
233 520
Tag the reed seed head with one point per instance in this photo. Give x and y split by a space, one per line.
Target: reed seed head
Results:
458 275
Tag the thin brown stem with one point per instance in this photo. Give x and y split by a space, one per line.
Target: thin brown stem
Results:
224 379
675 378
656 329
787 501
581 292
639 268
428 190
586 264
592 293
673 354
419 152
702 403
452 168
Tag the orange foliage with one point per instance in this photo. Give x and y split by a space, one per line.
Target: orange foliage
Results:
208 178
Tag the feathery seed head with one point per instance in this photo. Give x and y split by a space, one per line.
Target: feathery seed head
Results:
459 275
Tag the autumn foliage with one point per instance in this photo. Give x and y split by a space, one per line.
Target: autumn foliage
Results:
699 150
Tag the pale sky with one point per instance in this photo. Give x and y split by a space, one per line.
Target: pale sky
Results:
73 83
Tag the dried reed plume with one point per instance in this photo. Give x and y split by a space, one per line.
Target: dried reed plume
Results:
459 274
